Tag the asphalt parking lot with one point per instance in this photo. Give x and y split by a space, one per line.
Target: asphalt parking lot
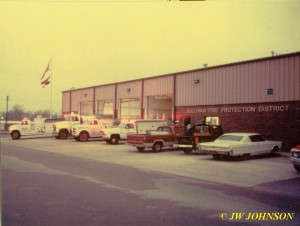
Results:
249 173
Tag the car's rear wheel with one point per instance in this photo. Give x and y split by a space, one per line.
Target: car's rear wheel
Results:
216 156
245 157
275 149
83 136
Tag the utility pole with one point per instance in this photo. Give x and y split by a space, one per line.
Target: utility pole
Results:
6 114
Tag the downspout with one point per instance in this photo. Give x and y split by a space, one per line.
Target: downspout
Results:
174 99
142 102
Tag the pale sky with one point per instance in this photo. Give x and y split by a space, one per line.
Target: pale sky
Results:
100 42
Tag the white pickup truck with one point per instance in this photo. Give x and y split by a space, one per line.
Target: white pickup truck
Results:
114 135
89 129
40 127
61 130
242 145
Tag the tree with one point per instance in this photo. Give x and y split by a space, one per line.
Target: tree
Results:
18 113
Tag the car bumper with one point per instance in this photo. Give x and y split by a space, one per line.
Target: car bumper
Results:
295 161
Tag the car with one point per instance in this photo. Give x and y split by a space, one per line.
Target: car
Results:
241 145
295 157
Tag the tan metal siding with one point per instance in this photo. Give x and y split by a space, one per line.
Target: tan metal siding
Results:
242 83
66 101
82 95
105 92
135 89
158 86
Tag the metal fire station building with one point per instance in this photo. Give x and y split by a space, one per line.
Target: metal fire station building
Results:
259 95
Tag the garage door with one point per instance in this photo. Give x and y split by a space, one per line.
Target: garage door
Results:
86 108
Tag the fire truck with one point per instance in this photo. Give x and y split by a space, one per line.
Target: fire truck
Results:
40 127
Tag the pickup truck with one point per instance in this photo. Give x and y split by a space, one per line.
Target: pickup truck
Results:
164 136
197 134
114 135
241 145
89 129
61 130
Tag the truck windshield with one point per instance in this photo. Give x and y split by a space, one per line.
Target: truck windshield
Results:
122 126
126 126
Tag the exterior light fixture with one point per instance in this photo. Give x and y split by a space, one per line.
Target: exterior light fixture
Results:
196 81
128 90
85 95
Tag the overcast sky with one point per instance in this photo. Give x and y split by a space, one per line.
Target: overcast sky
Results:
100 42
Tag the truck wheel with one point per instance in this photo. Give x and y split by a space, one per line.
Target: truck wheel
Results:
157 147
114 140
83 136
141 149
187 151
15 135
63 134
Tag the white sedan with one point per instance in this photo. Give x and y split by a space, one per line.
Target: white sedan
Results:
242 145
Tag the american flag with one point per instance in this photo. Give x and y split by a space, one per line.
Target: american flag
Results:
45 79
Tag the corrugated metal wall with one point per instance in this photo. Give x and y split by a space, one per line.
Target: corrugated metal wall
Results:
158 86
105 92
131 89
244 82
65 101
241 83
77 96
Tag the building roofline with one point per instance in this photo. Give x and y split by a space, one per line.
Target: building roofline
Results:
193 70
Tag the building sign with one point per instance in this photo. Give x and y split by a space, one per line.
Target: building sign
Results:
239 109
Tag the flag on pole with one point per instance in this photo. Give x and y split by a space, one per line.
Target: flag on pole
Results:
45 79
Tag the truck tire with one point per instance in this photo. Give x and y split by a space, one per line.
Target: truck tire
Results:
114 139
15 135
140 149
83 136
157 147
187 150
63 134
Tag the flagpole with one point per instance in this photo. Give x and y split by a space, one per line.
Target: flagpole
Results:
51 83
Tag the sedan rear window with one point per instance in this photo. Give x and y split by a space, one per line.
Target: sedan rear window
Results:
231 137
256 138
